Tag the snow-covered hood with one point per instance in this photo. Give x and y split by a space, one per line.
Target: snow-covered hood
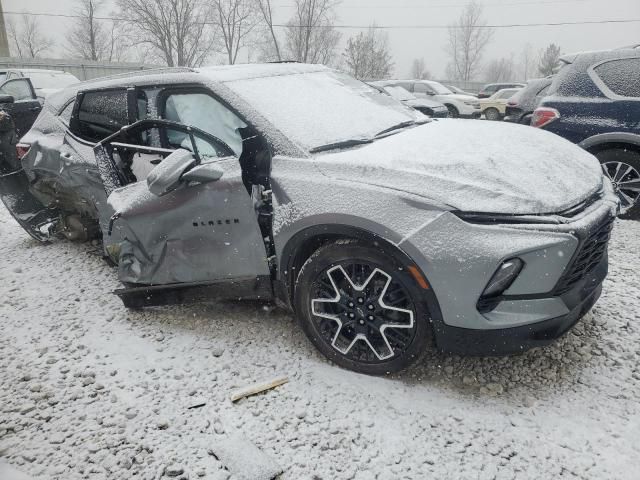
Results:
474 166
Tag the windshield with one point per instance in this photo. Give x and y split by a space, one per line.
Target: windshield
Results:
399 93
322 108
439 88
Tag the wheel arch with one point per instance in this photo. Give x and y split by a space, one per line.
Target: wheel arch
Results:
304 243
610 141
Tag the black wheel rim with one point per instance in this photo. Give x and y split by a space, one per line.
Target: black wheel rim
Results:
363 312
626 182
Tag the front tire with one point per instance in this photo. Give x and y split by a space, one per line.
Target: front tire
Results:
361 309
622 167
492 114
453 111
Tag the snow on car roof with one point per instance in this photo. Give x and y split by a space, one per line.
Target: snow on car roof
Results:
168 75
227 73
278 98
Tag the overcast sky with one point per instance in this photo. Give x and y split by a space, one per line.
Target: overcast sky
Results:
407 44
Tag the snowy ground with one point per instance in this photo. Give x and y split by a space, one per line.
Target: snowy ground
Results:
91 390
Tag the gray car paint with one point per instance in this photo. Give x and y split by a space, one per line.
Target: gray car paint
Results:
196 233
170 239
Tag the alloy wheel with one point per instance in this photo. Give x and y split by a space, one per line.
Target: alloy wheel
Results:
626 182
363 312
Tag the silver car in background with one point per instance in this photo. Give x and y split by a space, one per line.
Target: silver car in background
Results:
384 231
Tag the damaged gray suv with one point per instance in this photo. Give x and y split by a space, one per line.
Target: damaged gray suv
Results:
384 231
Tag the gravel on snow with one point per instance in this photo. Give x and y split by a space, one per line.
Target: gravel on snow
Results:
91 390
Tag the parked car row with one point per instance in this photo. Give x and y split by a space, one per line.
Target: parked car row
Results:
384 231
458 105
428 107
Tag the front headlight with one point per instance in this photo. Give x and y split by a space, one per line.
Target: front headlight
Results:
472 104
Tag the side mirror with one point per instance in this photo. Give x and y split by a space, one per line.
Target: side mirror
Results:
166 177
6 99
204 173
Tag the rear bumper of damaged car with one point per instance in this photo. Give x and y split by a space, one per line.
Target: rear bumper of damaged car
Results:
564 263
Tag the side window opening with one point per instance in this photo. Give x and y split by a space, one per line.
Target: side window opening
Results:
203 111
198 109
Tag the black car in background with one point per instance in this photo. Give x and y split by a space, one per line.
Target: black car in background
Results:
19 108
18 98
492 88
594 101
520 107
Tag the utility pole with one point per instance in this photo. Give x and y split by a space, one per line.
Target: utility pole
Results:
4 44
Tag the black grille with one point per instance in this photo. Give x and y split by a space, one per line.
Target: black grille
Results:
590 254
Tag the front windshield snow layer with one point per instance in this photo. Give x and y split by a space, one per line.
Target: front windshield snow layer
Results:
321 108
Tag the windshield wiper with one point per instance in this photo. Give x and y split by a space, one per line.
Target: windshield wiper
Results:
400 126
343 144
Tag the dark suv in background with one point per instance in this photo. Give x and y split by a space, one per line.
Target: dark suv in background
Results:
520 107
594 101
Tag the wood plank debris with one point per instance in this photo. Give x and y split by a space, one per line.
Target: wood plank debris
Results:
257 388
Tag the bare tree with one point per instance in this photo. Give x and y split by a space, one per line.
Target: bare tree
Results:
27 38
527 62
235 19
310 35
500 70
549 60
367 55
176 31
468 37
272 48
419 70
92 38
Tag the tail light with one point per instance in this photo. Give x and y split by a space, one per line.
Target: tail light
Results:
22 149
512 103
544 116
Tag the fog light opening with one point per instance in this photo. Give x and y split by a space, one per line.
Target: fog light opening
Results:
503 278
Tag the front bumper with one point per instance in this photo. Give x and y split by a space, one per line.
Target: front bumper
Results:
459 257
506 341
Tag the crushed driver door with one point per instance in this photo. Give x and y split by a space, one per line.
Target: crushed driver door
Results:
199 235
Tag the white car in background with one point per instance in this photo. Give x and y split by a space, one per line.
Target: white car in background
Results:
462 106
428 107
44 82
